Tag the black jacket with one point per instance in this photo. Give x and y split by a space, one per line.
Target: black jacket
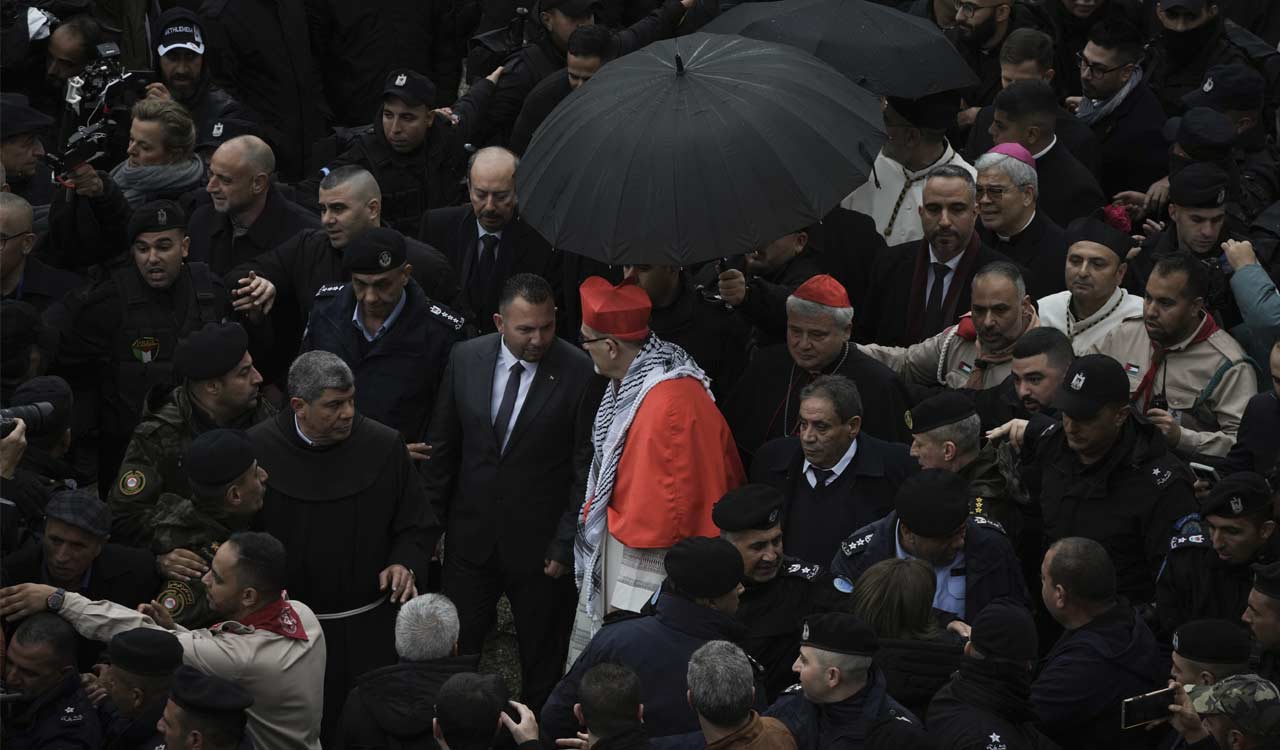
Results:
42 284
1132 149
985 63
260 52
867 485
1196 584
397 704
1176 63
59 719
1071 33
1040 250
309 261
985 699
213 239
1072 133
455 232
1132 502
1257 445
869 720
893 313
397 374
1068 190
991 570
708 330
917 669
540 102
512 499
657 648
765 306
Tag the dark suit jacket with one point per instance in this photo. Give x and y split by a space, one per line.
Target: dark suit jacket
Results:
213 239
894 310
1067 190
1041 251
513 500
521 250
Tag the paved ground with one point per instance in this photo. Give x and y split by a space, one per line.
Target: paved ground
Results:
501 655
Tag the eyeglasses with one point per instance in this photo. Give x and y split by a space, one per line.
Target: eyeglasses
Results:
996 192
1097 70
969 10
6 237
583 340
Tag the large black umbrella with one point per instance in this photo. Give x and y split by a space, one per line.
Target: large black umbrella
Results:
890 52
656 160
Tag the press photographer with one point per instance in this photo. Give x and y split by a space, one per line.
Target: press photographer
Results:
36 435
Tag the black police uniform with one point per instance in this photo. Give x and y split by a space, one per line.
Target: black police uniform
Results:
990 569
61 718
41 284
1257 445
1177 61
398 373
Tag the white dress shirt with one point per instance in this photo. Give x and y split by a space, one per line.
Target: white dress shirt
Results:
953 264
836 471
501 373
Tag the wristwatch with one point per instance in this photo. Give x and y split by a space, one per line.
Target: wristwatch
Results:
54 602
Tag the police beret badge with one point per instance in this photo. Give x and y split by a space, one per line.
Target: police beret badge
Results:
906 417
804 635
384 259
1237 505
1077 382
161 216
217 130
1208 85
401 79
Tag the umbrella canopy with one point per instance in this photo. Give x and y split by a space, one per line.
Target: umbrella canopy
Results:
890 52
673 159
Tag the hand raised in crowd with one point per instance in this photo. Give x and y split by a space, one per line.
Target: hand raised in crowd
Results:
1158 196
526 729
1183 717
255 294
1013 430
181 565
1167 424
733 286
87 181
158 613
1239 254
12 448
401 580
24 600
158 91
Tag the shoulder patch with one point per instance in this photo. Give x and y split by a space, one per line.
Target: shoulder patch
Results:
176 596
1189 540
802 570
446 316
1160 477
132 482
793 690
71 715
856 544
330 290
989 523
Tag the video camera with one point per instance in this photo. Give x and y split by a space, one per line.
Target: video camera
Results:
35 415
485 52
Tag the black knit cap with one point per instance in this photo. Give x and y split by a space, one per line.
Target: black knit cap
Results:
217 458
375 250
156 216
146 652
703 567
1200 185
937 411
211 352
1266 579
1092 229
933 503
1240 494
1004 630
840 633
202 693
751 506
1212 642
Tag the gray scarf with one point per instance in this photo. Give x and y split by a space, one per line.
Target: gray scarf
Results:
1090 113
141 184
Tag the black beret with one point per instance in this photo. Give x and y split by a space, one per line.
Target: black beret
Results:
81 509
703 567
52 389
1097 231
1004 629
1229 87
211 352
202 693
376 250
945 408
410 86
1202 133
1200 185
146 652
751 506
933 503
156 216
932 112
17 117
1266 579
217 458
840 633
1239 494
1212 642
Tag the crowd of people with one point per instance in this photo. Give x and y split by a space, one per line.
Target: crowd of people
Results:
294 398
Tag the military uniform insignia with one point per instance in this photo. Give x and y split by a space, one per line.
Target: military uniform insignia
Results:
800 570
71 716
1131 369
989 523
1161 476
329 290
804 634
132 482
906 418
217 130
793 689
1078 381
401 79
996 743
145 348
852 546
384 259
1237 505
966 368
449 318
1208 85
162 216
773 516
1222 196
1188 540
176 596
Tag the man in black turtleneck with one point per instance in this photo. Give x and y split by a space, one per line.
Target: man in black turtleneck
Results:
1192 38
989 698
343 496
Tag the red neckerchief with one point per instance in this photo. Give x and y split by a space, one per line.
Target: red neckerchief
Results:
278 617
1146 388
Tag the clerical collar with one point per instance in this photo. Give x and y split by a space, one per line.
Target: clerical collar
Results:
1046 149
1023 228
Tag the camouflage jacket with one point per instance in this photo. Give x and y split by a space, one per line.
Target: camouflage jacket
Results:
153 462
178 523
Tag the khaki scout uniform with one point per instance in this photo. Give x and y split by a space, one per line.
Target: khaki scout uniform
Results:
944 359
1207 384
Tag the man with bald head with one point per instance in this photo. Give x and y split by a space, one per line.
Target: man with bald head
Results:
298 269
486 241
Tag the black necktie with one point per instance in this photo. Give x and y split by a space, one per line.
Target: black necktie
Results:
822 475
483 275
933 322
508 404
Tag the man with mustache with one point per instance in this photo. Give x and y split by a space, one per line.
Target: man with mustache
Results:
1186 374
1094 302
1041 357
779 591
981 27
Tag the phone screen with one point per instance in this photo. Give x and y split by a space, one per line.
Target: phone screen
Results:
1143 709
